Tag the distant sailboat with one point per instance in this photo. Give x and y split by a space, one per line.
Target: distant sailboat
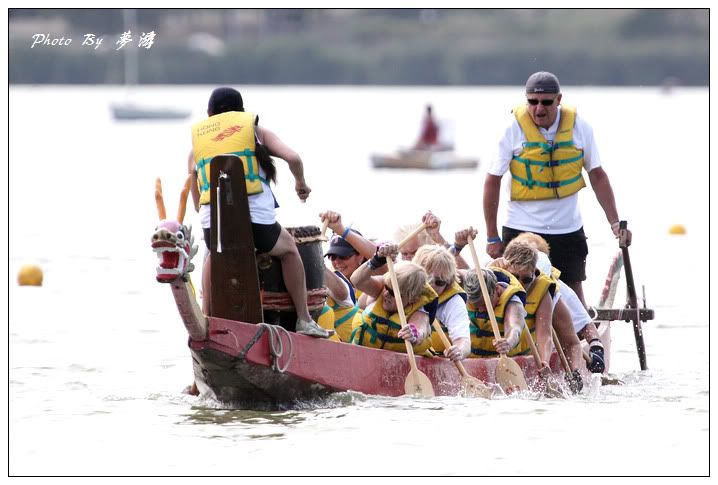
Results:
130 110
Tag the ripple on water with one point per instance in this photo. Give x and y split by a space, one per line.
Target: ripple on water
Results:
82 368
75 385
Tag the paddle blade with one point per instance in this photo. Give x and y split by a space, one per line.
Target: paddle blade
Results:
509 376
611 381
472 387
547 385
418 383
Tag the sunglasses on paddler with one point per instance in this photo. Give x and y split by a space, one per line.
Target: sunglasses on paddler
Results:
440 282
544 102
389 290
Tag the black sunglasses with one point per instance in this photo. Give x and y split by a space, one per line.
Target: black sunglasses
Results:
440 282
391 292
544 102
332 257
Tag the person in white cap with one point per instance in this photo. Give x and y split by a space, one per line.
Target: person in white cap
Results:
545 149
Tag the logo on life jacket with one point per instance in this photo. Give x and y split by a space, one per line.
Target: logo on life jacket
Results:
227 132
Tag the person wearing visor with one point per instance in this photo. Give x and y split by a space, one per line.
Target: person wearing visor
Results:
546 147
348 249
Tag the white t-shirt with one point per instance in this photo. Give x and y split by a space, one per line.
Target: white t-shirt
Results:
452 313
347 302
551 216
579 315
261 206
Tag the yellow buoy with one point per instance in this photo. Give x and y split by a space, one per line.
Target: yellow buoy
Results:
677 229
29 275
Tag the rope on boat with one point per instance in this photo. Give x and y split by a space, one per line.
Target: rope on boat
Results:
282 301
276 347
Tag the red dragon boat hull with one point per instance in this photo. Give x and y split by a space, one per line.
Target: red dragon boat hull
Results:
232 369
240 359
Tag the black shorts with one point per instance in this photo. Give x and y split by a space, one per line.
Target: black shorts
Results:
265 236
568 252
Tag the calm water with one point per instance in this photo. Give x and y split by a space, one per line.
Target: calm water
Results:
98 355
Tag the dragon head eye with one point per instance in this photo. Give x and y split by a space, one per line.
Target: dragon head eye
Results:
180 235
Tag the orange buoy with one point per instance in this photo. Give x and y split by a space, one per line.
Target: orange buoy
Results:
677 229
29 275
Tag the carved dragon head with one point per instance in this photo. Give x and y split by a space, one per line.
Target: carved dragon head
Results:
173 241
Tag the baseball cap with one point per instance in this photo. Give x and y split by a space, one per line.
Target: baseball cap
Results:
225 99
339 246
542 82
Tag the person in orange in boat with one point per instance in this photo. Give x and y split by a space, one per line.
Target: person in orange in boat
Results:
451 313
429 136
520 259
348 249
229 129
507 298
582 323
546 148
380 324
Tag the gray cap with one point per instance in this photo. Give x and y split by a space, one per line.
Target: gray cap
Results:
542 82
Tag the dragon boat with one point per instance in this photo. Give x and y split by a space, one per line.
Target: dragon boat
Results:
244 350
424 159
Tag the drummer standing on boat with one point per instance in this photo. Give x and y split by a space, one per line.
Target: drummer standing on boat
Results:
229 129
545 149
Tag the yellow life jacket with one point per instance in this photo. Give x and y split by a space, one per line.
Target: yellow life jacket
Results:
344 315
542 284
326 321
378 329
543 170
226 133
482 335
455 289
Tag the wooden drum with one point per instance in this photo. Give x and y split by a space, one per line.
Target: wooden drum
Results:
276 302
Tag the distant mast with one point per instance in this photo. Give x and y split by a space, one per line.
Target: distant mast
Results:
129 21
130 110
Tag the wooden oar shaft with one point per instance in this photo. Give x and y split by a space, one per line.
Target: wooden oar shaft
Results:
400 309
632 297
324 228
484 290
559 349
447 344
532 345
411 235
508 372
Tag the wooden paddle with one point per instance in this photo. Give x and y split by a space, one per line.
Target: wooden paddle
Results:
508 373
470 386
324 229
416 382
551 390
632 303
562 356
559 349
411 235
